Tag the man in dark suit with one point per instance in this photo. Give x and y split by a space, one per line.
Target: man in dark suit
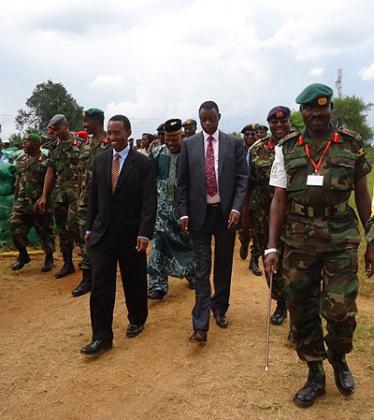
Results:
212 183
120 221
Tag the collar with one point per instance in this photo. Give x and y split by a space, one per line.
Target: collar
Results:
214 135
123 153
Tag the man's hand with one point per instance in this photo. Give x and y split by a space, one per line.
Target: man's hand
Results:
141 244
42 204
271 263
233 220
87 237
183 225
369 260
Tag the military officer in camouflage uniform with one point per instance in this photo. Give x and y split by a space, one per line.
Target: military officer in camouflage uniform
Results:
63 172
262 157
30 171
314 174
189 127
96 143
246 230
262 132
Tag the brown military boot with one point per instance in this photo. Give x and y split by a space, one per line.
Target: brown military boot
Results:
23 259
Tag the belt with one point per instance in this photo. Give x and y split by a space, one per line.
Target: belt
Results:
214 204
302 210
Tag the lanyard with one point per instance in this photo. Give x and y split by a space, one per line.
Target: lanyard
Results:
335 138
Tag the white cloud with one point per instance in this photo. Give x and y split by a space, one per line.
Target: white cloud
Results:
367 73
106 80
317 72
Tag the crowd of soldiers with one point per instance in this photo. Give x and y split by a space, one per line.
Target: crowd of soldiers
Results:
53 191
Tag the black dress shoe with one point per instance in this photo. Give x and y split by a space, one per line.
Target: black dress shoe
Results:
313 388
133 330
253 266
221 320
243 251
84 286
199 336
156 294
96 347
67 268
343 376
280 314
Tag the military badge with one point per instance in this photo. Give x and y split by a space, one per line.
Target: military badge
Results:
322 100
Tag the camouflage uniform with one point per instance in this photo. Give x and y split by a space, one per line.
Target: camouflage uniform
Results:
30 172
64 158
369 230
87 154
262 157
320 239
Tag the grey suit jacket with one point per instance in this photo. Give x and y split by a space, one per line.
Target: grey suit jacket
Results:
191 199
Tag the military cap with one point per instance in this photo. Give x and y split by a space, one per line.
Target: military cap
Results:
263 127
57 119
173 127
161 127
249 127
316 93
189 122
32 137
278 112
93 113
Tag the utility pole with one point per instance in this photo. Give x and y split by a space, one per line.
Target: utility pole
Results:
338 82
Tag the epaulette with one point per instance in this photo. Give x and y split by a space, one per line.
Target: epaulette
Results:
350 133
291 135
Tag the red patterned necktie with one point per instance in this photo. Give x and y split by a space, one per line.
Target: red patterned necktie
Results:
115 171
210 173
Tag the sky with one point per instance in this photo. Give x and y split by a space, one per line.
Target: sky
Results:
155 60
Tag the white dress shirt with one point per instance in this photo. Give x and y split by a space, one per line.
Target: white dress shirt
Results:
215 199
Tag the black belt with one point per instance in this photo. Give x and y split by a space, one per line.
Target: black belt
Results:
214 204
302 210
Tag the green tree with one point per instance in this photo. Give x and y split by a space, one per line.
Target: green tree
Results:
297 121
236 134
48 99
351 112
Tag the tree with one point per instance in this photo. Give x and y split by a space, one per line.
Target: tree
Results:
351 112
297 121
48 99
236 134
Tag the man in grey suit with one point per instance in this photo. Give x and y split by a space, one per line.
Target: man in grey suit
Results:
212 183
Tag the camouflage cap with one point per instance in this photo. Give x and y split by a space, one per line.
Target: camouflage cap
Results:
278 112
32 137
315 94
57 119
188 122
173 127
93 113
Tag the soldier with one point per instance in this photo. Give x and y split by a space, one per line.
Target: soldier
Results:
161 133
246 231
97 142
262 131
189 127
262 157
30 171
314 174
63 169
172 252
369 232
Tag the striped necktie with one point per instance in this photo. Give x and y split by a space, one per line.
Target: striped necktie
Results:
115 171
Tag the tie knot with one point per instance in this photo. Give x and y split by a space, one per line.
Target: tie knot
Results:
210 139
116 156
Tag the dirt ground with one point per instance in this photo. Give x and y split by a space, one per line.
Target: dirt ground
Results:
158 375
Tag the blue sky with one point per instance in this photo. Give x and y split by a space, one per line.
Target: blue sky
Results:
154 60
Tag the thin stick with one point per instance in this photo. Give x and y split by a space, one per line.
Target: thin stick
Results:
267 340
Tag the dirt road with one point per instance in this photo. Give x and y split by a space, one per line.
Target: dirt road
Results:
158 375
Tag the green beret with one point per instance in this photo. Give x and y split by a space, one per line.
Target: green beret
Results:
263 127
32 137
316 93
93 112
161 128
173 127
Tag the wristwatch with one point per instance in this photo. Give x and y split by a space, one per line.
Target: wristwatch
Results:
270 251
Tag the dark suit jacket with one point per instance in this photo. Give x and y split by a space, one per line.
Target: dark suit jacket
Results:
191 197
134 203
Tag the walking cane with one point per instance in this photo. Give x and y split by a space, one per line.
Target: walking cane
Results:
267 340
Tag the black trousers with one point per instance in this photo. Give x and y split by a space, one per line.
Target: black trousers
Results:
224 241
110 250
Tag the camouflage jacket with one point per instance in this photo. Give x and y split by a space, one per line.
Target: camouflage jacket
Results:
343 165
87 155
64 158
30 172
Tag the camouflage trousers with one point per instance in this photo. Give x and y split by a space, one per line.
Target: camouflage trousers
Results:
85 263
65 215
21 223
321 284
246 231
